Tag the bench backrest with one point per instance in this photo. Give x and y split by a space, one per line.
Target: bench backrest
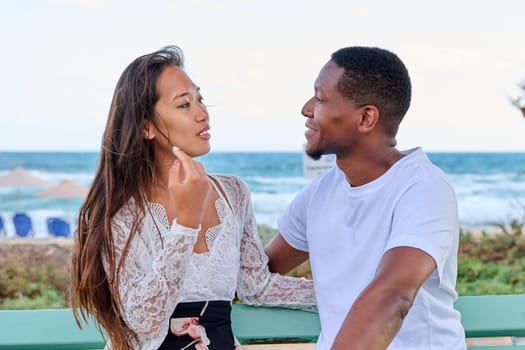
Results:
492 315
482 316
46 329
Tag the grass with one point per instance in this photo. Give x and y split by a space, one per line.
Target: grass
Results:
487 264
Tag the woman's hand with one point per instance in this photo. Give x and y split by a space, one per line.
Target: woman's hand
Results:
189 188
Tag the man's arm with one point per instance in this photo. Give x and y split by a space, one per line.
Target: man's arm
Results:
377 314
282 256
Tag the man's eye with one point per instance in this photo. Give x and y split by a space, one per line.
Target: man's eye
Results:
185 105
318 100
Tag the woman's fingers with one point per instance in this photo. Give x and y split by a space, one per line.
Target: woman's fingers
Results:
182 162
189 188
190 168
199 168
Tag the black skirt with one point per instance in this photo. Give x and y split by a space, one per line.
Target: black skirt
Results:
200 325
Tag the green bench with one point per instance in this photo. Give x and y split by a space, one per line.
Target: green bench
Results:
482 316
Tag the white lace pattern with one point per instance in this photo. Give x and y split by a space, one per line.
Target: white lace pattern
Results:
161 269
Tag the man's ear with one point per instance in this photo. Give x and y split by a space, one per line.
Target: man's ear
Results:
369 118
148 130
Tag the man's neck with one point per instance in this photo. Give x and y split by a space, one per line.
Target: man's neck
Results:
365 167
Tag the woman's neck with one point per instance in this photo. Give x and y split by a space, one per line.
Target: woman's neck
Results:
159 191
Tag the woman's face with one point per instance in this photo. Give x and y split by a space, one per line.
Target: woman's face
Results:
180 116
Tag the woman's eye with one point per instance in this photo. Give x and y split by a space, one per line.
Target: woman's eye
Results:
318 100
185 105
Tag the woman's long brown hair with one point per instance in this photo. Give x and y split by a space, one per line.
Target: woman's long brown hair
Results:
126 169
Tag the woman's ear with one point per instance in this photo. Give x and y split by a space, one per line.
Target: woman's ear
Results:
369 118
148 130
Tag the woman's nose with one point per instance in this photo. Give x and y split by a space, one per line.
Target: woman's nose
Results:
202 114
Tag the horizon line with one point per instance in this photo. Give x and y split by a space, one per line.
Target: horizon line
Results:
264 151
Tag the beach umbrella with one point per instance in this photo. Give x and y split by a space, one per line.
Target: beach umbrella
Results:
19 177
66 189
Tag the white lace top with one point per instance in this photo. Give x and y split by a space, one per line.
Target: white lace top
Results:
161 270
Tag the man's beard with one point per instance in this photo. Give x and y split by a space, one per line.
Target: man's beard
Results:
315 154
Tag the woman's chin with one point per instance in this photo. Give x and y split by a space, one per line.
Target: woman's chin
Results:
199 152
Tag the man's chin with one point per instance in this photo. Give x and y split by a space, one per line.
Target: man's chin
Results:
314 154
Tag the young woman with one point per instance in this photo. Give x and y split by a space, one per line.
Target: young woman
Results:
162 247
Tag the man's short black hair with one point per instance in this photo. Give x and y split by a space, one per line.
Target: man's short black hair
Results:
377 77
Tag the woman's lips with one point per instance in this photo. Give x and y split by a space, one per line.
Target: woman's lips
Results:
205 134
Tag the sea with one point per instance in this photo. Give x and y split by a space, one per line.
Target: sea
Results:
490 187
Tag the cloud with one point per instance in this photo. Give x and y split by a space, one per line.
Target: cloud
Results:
444 59
97 4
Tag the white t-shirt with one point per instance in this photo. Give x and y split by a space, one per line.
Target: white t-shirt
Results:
346 231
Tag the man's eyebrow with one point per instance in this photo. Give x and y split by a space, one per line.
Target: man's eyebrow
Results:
185 94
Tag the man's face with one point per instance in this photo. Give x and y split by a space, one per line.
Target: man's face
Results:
331 119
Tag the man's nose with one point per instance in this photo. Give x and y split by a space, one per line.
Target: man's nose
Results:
307 109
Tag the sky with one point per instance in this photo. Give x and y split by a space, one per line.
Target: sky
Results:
256 61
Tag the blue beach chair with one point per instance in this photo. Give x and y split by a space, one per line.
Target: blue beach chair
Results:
23 225
2 228
58 227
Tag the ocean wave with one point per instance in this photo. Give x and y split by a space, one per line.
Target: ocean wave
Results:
300 181
264 203
489 187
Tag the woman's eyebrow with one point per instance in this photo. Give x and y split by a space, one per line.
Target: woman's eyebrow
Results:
186 93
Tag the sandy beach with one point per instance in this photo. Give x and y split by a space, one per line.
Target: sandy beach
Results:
37 251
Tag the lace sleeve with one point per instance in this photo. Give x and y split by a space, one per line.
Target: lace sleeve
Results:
152 276
256 284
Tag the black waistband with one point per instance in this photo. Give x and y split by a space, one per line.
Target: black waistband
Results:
218 310
212 317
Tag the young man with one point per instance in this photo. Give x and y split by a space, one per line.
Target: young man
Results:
380 228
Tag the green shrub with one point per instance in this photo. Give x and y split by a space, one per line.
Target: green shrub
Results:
492 263
487 264
266 233
50 299
32 287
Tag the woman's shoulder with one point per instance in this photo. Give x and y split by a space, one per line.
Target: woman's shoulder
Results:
127 214
234 188
230 182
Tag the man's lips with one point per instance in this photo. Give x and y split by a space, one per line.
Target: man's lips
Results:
310 128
